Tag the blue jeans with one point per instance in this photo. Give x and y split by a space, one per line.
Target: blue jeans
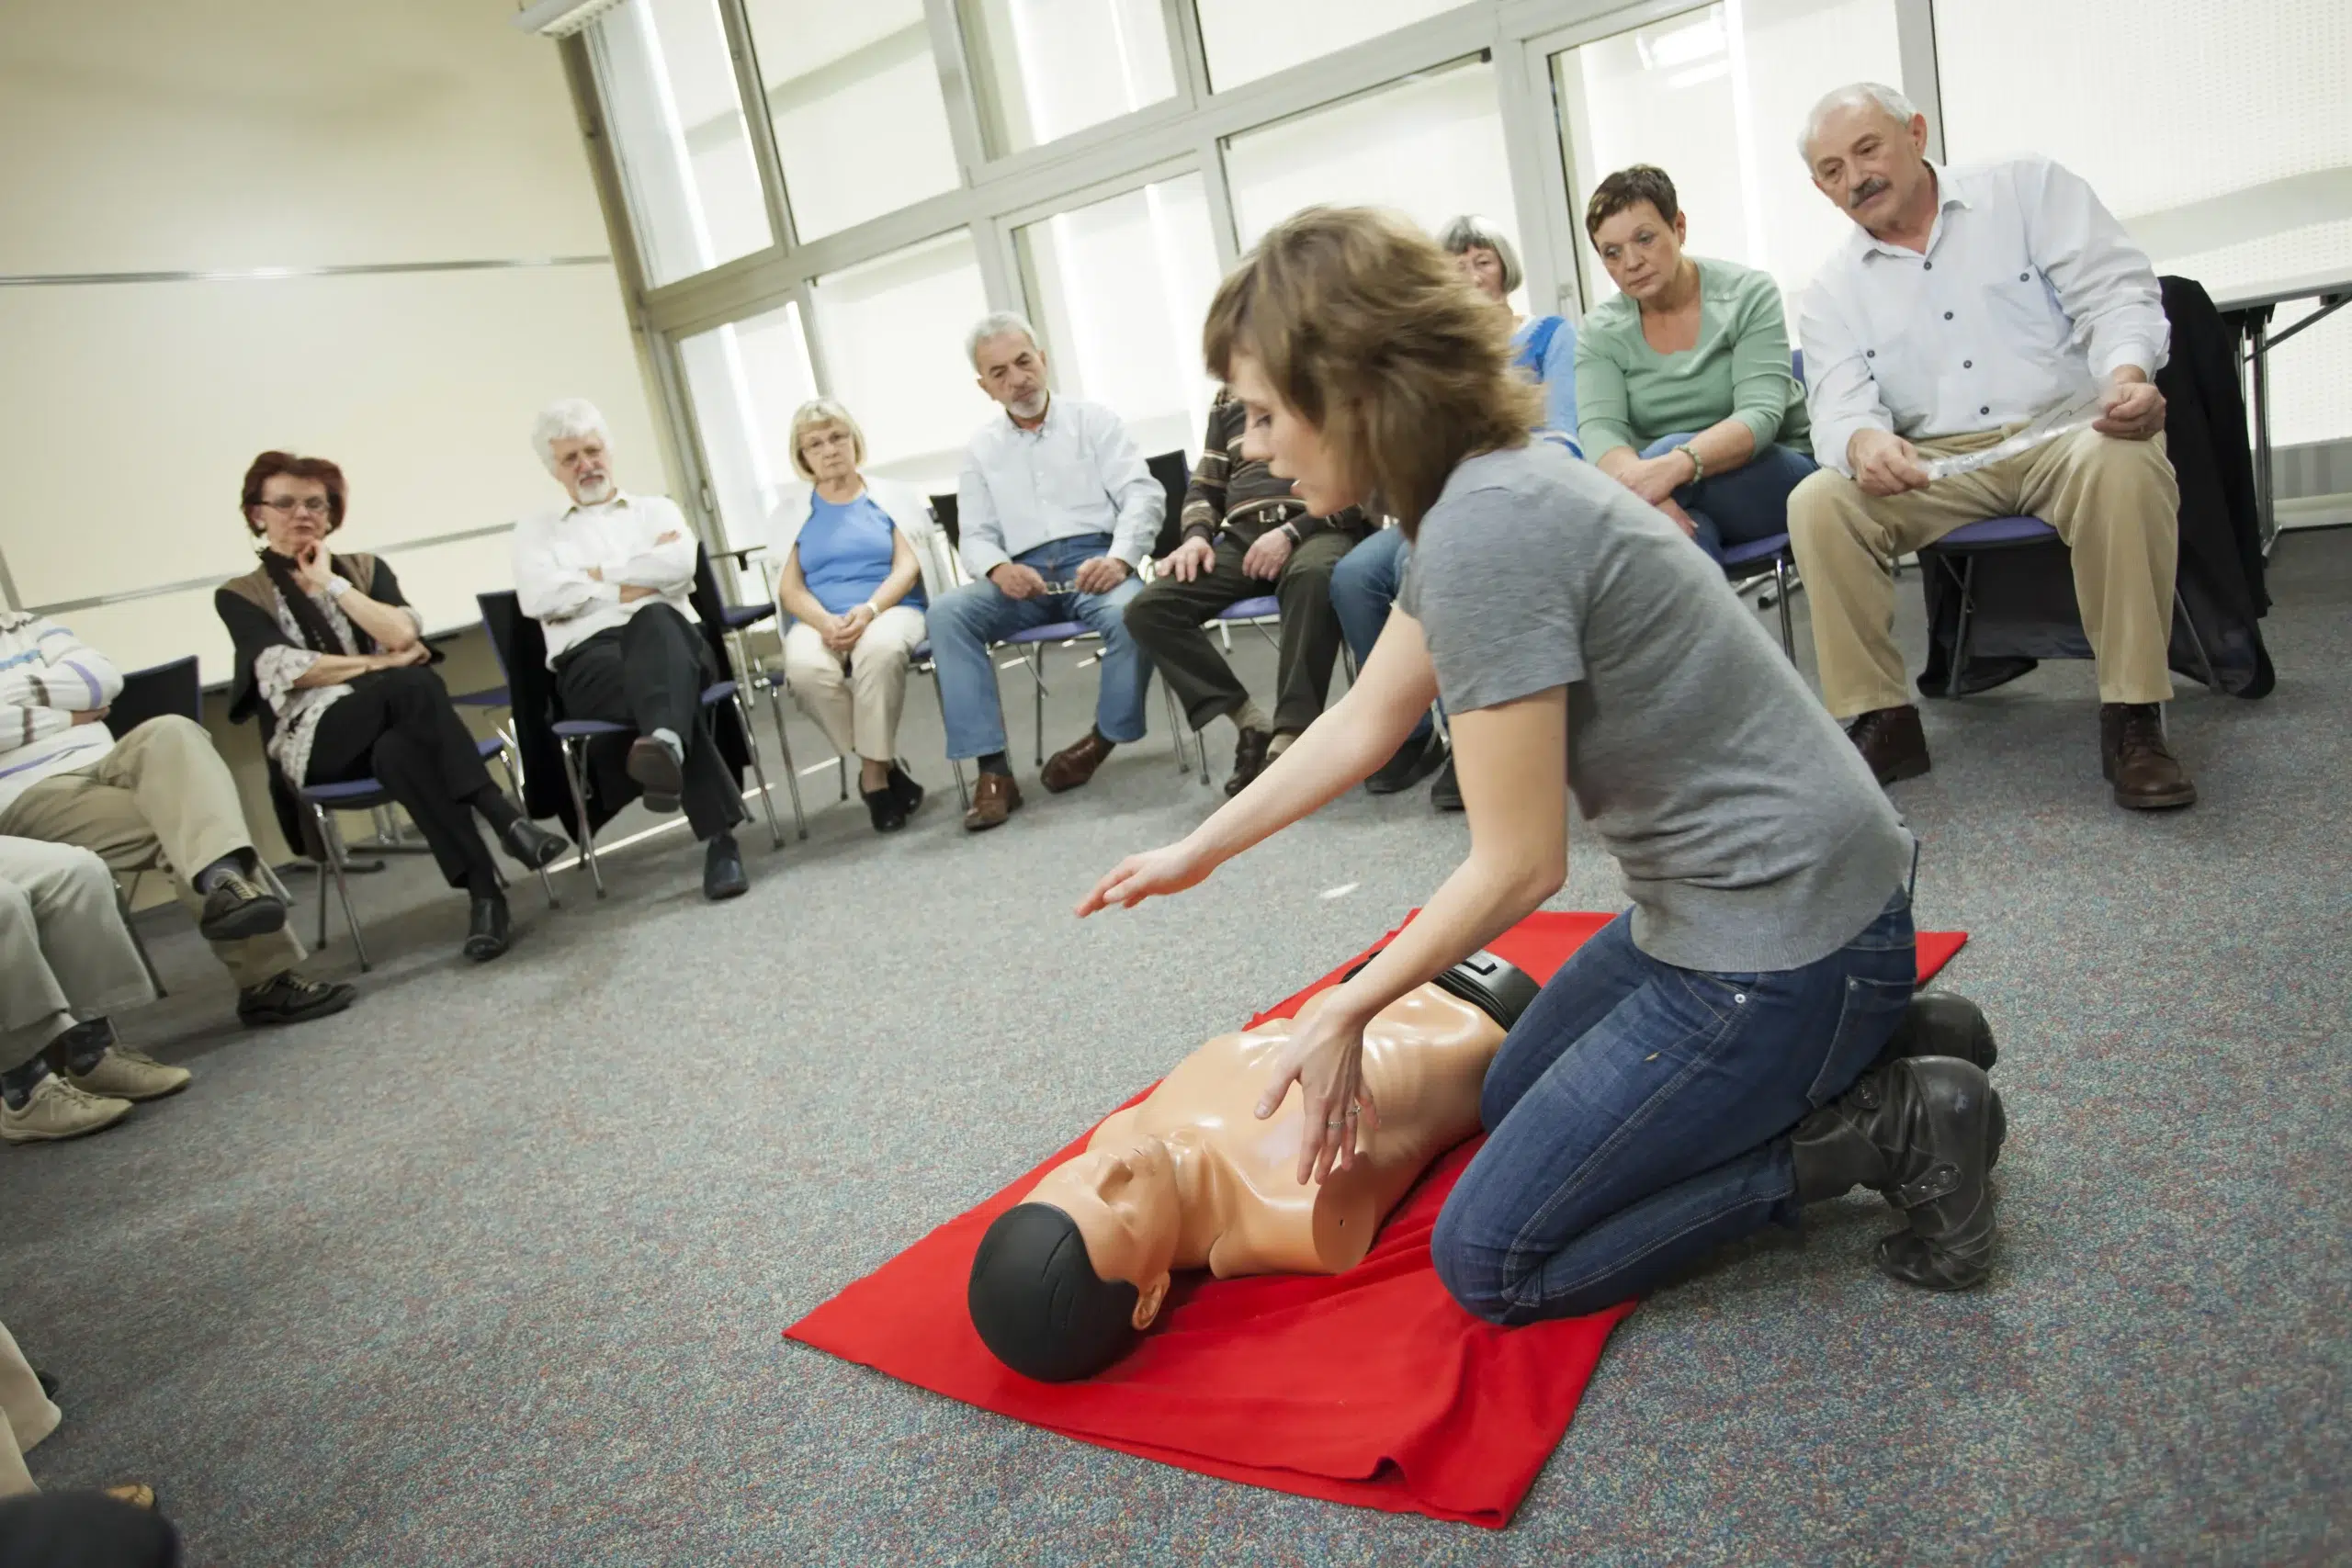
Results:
1638 1116
1748 503
966 621
1363 585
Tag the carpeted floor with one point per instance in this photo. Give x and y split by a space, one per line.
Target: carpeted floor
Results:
491 1268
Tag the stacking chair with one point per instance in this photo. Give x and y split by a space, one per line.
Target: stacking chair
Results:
154 692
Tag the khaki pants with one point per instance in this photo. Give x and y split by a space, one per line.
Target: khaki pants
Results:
162 800
2113 501
857 707
65 954
25 1416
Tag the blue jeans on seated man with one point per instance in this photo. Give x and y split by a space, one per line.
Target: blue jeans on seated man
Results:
1363 585
1748 503
963 624
1638 1114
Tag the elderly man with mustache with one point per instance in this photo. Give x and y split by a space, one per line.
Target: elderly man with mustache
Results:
1967 301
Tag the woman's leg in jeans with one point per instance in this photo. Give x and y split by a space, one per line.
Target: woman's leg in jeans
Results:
1624 1146
1363 585
1751 502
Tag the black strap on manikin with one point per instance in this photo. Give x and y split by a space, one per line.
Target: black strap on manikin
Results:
1496 986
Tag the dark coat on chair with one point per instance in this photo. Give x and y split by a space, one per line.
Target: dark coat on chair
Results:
2024 597
522 649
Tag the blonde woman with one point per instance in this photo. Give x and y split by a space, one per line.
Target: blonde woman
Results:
1724 1052
856 566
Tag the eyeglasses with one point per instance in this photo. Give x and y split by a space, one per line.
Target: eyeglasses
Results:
310 505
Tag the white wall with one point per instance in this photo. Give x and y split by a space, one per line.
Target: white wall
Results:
148 135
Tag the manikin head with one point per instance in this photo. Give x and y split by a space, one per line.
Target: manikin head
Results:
1010 366
571 439
1866 147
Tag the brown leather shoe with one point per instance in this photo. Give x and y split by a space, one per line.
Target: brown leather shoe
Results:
994 798
1891 742
1249 759
1075 763
2134 756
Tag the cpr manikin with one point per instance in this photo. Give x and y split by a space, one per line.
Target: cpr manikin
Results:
1189 1178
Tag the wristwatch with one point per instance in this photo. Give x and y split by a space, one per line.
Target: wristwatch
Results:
338 586
1290 532
871 608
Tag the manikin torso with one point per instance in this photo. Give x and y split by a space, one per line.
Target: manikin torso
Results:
1245 1210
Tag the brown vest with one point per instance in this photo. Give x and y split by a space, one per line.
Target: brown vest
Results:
257 590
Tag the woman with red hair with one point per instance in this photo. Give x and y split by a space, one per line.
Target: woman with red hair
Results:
332 660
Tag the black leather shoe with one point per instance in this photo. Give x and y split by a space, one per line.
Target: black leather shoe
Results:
287 998
1891 742
534 846
910 794
1446 794
235 908
490 932
722 870
1917 1131
1939 1024
1415 761
889 813
1249 759
657 772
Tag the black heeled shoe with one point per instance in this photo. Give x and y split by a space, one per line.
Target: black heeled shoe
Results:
490 931
1919 1131
910 794
532 846
888 810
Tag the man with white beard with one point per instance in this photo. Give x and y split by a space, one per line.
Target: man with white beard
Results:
1057 512
607 577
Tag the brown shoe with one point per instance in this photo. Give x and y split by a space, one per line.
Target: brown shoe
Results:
1891 742
1075 763
2134 756
995 798
138 1494
1249 761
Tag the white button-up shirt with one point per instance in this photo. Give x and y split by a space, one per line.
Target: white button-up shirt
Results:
1077 473
555 550
2029 294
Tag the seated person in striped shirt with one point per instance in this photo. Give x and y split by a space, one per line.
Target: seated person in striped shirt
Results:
160 798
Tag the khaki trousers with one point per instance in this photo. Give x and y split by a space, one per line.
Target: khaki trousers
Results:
2115 503
162 800
25 1416
64 953
856 707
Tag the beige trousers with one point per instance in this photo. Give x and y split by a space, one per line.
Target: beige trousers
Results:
855 701
162 800
64 953
2114 502
26 1415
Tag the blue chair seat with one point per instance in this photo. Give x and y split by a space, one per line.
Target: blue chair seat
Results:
742 616
1997 531
1755 550
360 794
1258 609
489 697
1059 631
922 655
585 728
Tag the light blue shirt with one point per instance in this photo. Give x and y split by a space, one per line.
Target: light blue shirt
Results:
845 550
1077 473
1555 372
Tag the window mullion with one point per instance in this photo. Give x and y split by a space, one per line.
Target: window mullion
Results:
752 95
955 67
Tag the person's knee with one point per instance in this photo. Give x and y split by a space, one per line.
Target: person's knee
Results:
1472 1275
962 614
172 734
1822 509
2135 478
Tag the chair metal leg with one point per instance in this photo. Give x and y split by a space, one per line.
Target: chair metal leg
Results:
954 765
1781 593
759 768
331 845
2204 659
1960 631
513 771
784 749
572 763
1037 661
123 904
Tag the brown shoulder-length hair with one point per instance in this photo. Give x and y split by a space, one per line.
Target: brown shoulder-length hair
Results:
1372 333
269 465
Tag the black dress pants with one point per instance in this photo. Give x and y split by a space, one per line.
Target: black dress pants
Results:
1164 620
649 675
400 728
83 1529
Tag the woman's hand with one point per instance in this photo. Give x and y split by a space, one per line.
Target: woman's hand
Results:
842 635
1171 868
1656 479
1325 1059
415 653
313 568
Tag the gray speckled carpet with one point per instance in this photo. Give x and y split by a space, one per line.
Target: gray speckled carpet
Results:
492 1267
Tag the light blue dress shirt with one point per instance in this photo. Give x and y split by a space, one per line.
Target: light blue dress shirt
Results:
1077 473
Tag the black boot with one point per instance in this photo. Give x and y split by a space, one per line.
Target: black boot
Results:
1939 1024
1918 1131
490 932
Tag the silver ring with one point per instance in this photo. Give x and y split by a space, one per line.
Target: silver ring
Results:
1338 1123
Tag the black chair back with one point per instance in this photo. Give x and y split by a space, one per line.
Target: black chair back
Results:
152 692
942 508
1175 477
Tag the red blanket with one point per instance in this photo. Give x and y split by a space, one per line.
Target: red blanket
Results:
1368 1387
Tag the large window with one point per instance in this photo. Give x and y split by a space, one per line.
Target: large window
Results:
677 124
745 379
892 332
1717 98
1051 67
853 94
1431 147
1121 287
2237 171
1249 38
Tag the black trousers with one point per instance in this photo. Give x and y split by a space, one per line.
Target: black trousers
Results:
649 675
1164 620
83 1529
400 728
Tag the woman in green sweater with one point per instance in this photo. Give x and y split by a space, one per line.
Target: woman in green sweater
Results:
1684 393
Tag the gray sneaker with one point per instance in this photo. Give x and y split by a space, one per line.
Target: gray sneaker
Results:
55 1109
